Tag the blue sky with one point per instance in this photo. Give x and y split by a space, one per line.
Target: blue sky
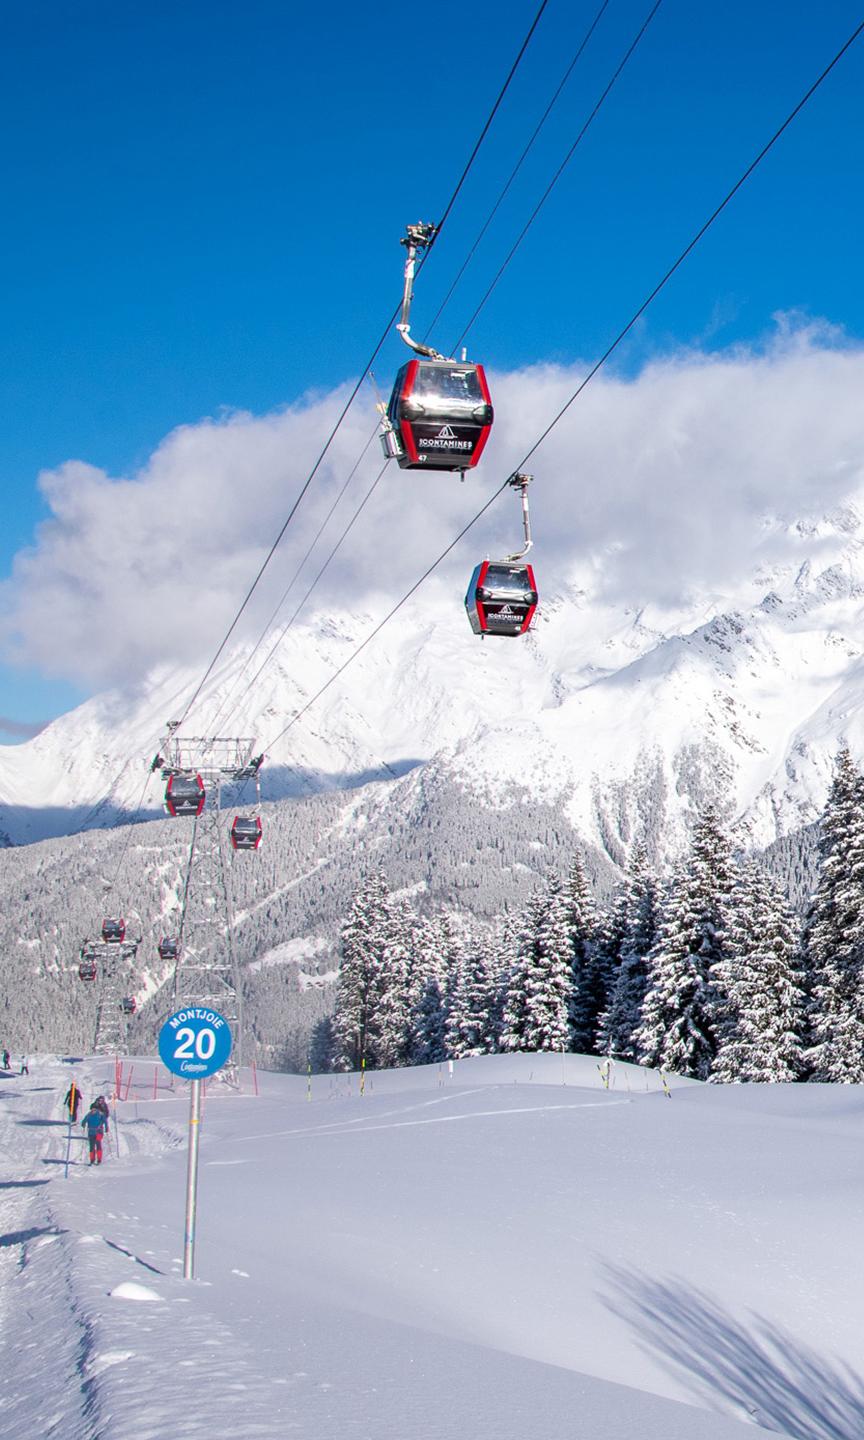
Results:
203 206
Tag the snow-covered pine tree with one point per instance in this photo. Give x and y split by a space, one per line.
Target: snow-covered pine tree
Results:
636 920
427 970
390 1020
677 1030
453 943
469 1026
502 955
589 966
536 1012
759 984
834 934
322 1046
364 936
430 1025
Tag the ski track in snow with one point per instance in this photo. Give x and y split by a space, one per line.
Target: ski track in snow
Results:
503 1280
344 1128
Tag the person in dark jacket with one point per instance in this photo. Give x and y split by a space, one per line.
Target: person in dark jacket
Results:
95 1124
73 1102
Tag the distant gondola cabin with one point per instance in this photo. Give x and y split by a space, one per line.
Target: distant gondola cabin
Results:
113 930
502 598
246 832
185 795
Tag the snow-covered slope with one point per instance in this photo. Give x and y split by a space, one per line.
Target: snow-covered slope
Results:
627 718
507 1251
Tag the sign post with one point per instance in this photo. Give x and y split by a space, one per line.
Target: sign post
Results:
194 1043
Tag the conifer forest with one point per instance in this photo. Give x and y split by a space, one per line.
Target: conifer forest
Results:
708 973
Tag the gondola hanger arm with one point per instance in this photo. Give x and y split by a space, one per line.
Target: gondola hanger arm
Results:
419 237
521 482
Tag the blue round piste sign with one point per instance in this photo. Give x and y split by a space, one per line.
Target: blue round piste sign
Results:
194 1043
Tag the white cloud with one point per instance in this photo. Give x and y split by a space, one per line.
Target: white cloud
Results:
690 475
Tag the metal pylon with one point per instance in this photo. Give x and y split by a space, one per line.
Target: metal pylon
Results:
110 1037
207 973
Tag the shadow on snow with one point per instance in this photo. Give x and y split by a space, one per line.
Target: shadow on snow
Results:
20 1237
775 1380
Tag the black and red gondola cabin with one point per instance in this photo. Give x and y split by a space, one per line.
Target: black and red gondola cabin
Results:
129 1005
502 598
87 970
441 413
185 795
113 930
246 832
169 947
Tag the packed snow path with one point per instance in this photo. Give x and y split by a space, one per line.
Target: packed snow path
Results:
507 1251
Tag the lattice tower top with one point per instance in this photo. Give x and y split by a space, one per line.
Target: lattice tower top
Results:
229 756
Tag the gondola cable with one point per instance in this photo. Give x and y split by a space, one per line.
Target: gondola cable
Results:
369 363
516 168
622 334
97 808
561 168
283 632
387 618
483 230
598 106
286 592
610 350
436 231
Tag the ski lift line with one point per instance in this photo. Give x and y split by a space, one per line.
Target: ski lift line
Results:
125 850
290 516
105 800
367 371
602 361
345 533
516 168
715 214
493 112
580 49
366 368
287 591
387 618
561 168
97 808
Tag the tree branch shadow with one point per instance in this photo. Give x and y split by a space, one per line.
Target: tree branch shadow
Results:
768 1375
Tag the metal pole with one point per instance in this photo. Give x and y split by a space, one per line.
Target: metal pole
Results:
192 1180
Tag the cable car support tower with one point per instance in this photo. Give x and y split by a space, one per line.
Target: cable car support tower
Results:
112 961
207 972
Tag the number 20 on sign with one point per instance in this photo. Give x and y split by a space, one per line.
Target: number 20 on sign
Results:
194 1043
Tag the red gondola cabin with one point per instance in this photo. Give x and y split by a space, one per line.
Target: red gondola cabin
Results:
501 598
441 414
246 832
185 795
113 930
